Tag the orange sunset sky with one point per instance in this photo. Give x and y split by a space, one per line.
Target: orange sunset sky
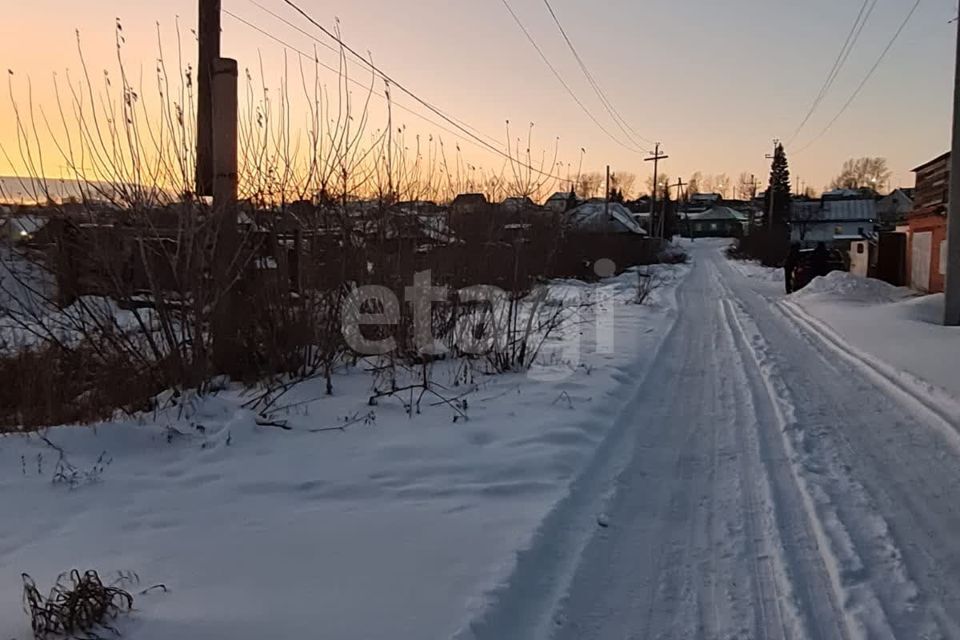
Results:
713 81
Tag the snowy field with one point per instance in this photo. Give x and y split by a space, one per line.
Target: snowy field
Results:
405 524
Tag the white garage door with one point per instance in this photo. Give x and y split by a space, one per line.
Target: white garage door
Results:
920 261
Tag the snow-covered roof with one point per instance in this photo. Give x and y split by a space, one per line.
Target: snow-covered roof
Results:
718 213
25 225
592 216
834 210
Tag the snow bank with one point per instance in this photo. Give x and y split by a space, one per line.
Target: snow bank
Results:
846 286
397 526
757 271
890 325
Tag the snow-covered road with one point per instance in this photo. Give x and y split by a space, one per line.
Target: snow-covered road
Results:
771 488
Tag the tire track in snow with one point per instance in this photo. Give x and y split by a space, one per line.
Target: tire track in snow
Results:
941 410
862 614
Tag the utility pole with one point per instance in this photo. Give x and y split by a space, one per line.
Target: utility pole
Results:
606 204
952 288
227 352
208 34
776 142
655 158
680 185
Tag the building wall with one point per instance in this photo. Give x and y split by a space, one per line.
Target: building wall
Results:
927 247
827 231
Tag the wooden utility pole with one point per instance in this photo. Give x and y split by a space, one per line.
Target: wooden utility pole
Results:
208 35
606 204
655 158
776 143
951 310
680 185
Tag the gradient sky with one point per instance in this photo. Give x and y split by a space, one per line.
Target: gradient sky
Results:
713 80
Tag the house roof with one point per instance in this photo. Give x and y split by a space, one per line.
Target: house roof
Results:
834 211
26 224
591 216
717 213
939 158
470 199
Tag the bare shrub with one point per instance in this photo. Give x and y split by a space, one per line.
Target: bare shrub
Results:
78 606
647 283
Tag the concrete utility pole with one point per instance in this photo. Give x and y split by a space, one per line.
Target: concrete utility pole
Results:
776 142
952 289
208 34
655 158
227 351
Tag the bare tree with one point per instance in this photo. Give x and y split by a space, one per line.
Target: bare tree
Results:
590 185
623 182
862 173
663 184
746 186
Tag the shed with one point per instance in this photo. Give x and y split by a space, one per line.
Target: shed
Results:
598 216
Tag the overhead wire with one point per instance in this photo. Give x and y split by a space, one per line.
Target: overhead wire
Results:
866 79
866 10
564 83
393 82
624 126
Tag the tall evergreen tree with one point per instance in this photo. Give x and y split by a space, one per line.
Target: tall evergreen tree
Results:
779 187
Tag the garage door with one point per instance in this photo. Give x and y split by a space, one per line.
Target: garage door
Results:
920 262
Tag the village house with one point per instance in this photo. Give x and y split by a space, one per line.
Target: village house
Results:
598 216
927 226
716 222
704 201
839 218
895 206
561 202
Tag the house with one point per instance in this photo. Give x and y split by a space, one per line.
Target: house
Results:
516 205
561 202
838 218
469 203
704 201
21 228
716 222
599 216
894 207
927 226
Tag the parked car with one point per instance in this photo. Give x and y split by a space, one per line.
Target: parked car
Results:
805 270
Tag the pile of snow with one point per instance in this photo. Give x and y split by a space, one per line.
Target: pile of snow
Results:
887 324
755 270
400 525
841 284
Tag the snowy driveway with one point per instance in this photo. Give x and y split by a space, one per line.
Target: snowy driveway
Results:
773 490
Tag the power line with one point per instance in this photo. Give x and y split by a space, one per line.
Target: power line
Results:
450 120
313 58
330 47
563 82
852 37
617 118
866 78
